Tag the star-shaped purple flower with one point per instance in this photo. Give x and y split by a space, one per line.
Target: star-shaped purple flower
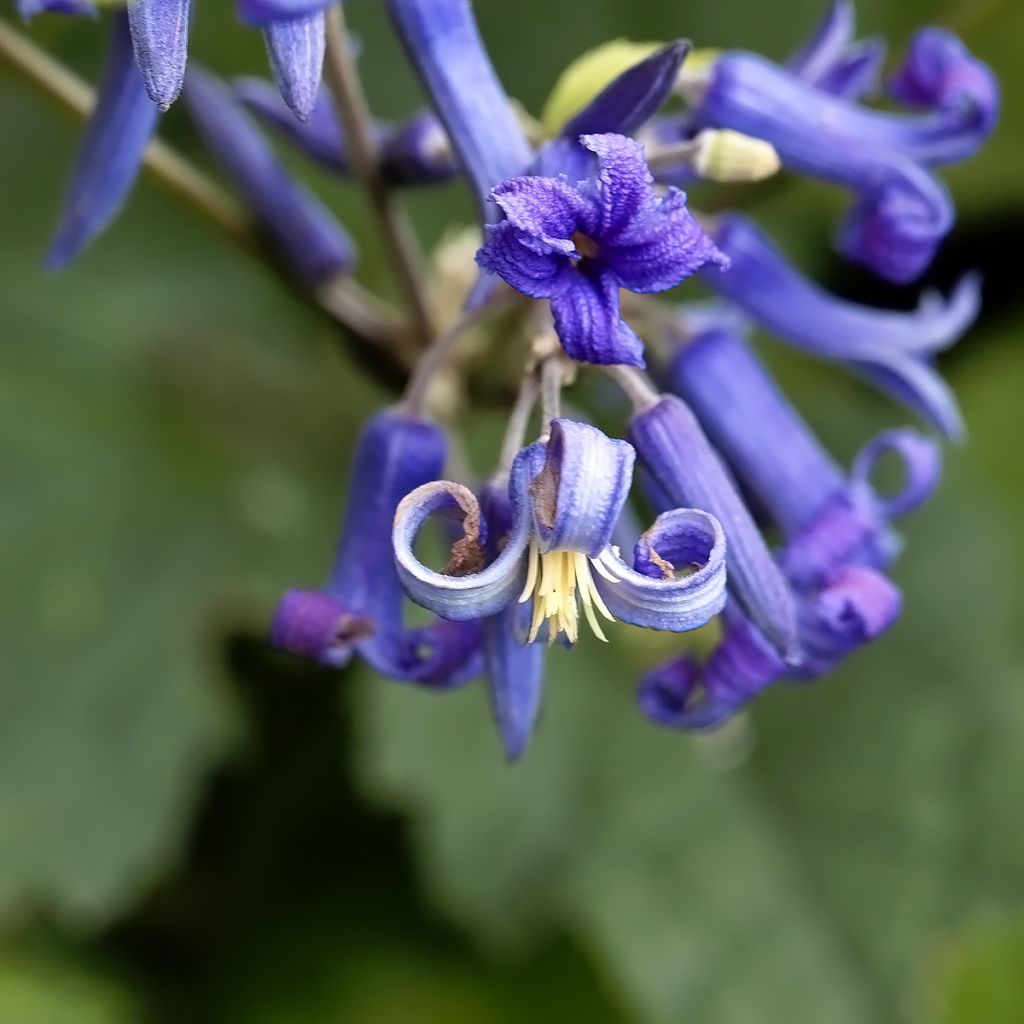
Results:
577 245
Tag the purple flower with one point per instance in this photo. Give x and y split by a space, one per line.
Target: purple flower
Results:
685 470
577 245
902 211
360 611
893 349
111 155
565 497
311 242
28 9
837 538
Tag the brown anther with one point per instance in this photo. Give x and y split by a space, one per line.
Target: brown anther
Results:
668 570
586 246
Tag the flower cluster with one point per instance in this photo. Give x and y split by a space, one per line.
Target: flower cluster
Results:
582 224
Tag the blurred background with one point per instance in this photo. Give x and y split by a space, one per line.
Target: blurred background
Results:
193 828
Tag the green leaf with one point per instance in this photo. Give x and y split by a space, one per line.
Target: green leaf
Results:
37 991
161 464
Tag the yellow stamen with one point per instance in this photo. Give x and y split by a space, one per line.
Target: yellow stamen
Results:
559 582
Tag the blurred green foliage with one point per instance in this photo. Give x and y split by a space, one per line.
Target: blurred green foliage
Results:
194 829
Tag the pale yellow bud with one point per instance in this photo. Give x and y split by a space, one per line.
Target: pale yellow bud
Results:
728 156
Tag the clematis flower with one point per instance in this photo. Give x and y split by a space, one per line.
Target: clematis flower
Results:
892 349
578 244
360 611
160 40
28 9
565 497
836 529
902 211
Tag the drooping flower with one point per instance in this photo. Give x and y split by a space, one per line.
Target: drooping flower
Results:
360 611
902 211
892 349
566 495
160 40
578 244
837 537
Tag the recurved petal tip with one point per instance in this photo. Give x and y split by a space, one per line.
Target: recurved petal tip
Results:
159 30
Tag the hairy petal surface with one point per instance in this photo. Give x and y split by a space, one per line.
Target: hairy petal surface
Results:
160 39
588 320
296 51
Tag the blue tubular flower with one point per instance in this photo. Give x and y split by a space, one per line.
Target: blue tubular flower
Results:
444 45
111 155
360 610
687 471
414 152
312 243
902 212
577 245
566 496
296 49
827 520
893 349
836 533
160 40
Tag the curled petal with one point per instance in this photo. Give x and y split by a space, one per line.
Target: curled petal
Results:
855 607
825 136
311 241
312 624
444 44
625 184
589 322
675 450
662 248
539 275
516 673
922 466
799 311
160 39
632 98
476 594
651 594
547 211
296 50
847 530
939 73
111 154
673 695
828 44
579 494
917 384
